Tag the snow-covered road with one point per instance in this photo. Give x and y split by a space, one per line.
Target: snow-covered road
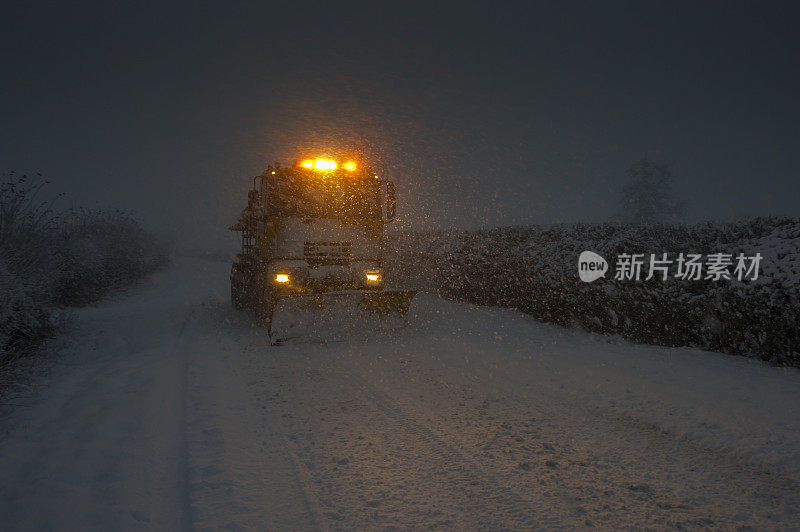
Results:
169 410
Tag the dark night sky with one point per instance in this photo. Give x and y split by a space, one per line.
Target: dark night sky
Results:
483 114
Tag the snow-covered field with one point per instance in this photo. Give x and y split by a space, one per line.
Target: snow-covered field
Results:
169 410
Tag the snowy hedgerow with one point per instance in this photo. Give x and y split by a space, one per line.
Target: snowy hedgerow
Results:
28 271
534 269
49 260
23 318
101 251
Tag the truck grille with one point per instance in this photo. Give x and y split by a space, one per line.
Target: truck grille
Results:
327 252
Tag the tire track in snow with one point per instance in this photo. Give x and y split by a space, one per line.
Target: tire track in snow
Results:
482 485
731 466
483 498
242 470
102 445
182 347
302 480
571 420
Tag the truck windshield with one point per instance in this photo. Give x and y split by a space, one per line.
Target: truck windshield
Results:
341 200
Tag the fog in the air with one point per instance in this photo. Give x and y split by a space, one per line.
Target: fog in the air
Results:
481 117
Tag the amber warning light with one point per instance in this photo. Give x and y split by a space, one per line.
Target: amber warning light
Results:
327 164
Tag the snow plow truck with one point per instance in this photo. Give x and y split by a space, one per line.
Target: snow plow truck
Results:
314 231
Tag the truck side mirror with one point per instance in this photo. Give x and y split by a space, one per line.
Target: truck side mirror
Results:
391 201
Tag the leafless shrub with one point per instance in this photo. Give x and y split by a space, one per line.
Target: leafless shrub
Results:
50 260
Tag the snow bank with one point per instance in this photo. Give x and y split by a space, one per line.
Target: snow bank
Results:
101 251
534 269
49 261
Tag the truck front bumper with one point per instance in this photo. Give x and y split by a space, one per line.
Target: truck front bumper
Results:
296 278
382 302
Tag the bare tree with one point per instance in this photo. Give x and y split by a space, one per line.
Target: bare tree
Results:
647 197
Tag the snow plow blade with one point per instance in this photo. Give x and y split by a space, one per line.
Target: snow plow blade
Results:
388 302
335 315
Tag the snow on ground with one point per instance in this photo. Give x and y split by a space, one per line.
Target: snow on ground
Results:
169 410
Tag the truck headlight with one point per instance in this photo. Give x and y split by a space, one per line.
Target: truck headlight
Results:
374 277
282 278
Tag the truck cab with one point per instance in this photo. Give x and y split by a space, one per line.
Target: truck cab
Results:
313 228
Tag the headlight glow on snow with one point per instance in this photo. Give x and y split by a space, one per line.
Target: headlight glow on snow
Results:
282 278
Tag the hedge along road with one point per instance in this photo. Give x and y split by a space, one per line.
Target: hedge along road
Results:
170 410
